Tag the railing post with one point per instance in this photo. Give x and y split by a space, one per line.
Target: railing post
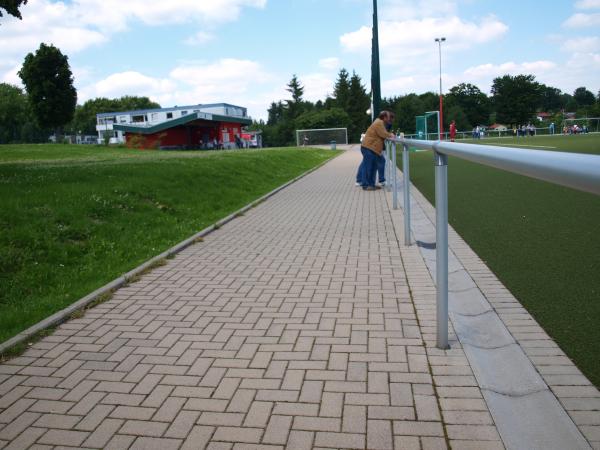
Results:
395 174
388 166
441 227
406 172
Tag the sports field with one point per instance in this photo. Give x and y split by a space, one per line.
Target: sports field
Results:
541 240
75 217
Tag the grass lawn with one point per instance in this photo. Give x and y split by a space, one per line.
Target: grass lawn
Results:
75 217
541 240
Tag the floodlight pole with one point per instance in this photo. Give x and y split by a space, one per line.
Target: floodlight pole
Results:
441 125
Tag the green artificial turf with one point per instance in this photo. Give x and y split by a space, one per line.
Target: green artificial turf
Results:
541 240
75 217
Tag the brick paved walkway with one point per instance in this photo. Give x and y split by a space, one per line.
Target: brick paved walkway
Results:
303 324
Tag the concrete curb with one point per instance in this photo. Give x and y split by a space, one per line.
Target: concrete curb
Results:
63 315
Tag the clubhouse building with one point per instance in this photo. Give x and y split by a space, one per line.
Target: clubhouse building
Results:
218 125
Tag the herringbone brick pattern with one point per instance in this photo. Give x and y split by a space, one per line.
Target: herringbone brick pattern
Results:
293 326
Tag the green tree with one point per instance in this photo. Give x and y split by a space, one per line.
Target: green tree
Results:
48 81
329 118
12 7
294 106
456 113
341 90
358 104
516 98
584 97
13 113
474 103
406 108
552 99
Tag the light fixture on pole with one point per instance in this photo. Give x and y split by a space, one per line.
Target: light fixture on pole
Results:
441 124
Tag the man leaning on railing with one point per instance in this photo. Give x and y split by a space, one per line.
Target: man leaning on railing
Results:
371 149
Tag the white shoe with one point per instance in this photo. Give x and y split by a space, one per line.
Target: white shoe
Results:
382 184
356 184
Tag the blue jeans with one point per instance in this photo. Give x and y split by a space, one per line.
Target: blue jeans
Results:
381 168
360 175
368 167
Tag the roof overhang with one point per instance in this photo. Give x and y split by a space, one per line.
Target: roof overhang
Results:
184 120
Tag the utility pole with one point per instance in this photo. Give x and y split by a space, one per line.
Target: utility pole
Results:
375 68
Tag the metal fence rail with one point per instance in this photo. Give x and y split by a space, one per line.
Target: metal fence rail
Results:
574 170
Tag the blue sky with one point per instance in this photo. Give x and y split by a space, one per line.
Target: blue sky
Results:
245 51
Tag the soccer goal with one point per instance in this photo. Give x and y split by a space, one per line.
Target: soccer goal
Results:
323 136
591 124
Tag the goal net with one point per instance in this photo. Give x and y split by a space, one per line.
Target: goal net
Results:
323 136
590 124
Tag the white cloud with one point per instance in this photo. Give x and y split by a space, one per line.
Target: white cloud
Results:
329 63
415 37
316 86
79 24
115 15
200 38
414 9
582 45
484 71
588 4
128 83
581 20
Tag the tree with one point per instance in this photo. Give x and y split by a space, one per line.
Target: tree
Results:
358 104
295 88
516 99
474 103
583 97
294 107
456 113
275 113
332 118
13 113
48 81
341 90
12 7
552 99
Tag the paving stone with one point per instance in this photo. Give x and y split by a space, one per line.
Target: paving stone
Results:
340 440
278 429
300 440
379 434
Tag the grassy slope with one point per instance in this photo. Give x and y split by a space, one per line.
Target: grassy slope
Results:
541 240
80 216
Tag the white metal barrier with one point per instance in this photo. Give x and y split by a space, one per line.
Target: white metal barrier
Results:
574 170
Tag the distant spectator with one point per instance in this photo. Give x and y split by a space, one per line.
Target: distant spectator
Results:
452 131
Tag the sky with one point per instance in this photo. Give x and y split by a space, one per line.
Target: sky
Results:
182 52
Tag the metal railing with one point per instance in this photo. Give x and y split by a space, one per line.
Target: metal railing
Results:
574 170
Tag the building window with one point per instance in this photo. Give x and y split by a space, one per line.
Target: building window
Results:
169 115
123 119
184 113
139 119
154 117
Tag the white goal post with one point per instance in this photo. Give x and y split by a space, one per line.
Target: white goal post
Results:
322 136
593 123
